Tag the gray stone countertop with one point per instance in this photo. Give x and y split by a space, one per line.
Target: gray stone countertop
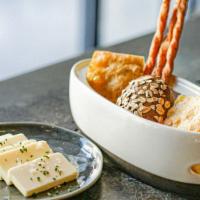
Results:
42 96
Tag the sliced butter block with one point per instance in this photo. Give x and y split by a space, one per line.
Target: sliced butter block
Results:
10 140
16 145
42 174
2 138
5 136
21 155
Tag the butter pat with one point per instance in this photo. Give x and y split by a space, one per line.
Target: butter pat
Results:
21 155
16 145
10 140
42 174
5 136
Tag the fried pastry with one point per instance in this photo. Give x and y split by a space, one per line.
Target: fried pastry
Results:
109 73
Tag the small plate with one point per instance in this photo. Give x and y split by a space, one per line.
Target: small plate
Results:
78 149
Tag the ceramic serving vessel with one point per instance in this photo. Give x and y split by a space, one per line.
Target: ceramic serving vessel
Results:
164 152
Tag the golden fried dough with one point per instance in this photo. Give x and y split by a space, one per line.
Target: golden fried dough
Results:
109 73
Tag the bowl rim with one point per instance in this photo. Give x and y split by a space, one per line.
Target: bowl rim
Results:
180 132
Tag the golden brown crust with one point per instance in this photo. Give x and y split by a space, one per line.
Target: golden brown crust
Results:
109 73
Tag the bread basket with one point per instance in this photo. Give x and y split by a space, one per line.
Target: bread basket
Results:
157 154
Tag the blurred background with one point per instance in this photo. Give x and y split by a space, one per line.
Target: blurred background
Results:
36 33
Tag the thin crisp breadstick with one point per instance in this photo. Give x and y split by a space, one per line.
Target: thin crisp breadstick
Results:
158 37
161 59
174 44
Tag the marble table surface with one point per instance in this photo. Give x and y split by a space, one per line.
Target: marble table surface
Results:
42 96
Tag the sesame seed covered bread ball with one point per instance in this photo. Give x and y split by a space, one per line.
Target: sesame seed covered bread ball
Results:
149 97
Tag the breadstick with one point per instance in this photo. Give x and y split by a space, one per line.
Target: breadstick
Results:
174 44
161 59
158 37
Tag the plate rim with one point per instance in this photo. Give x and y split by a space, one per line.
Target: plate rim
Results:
80 190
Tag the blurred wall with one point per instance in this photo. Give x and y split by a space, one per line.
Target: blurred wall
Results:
124 19
34 33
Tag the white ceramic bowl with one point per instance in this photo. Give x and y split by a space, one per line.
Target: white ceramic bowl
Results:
158 149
